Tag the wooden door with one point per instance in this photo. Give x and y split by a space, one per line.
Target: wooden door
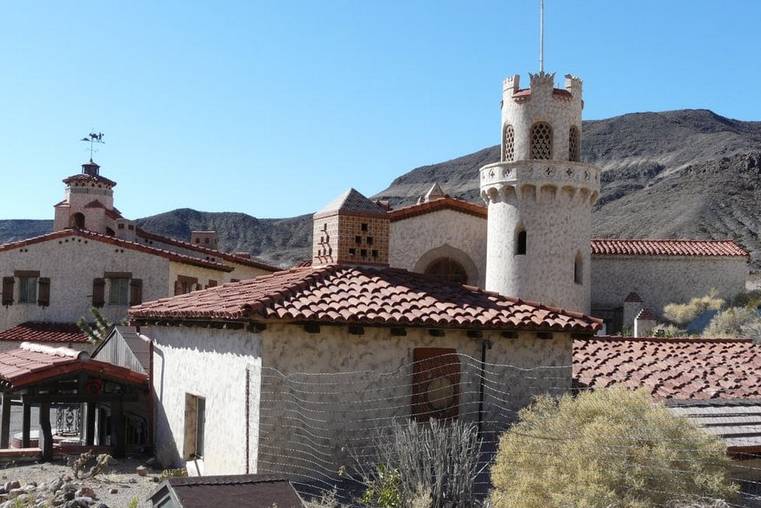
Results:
435 384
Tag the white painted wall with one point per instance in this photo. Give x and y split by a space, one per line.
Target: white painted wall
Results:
210 363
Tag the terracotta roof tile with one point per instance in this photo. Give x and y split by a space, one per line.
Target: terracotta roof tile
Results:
21 367
680 369
247 261
84 178
444 203
32 331
382 296
90 235
623 247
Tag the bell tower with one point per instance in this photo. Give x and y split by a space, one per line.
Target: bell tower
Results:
540 196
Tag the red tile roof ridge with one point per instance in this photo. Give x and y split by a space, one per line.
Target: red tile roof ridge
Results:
667 247
84 233
254 262
44 331
683 338
442 203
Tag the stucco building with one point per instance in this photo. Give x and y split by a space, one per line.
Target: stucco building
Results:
97 258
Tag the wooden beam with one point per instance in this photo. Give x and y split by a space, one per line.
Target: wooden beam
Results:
117 430
5 430
544 335
510 335
312 328
398 331
475 334
26 424
90 426
46 434
69 398
356 329
436 332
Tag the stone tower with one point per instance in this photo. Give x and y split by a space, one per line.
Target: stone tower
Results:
351 230
540 196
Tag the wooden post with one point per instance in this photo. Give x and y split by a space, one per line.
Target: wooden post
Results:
117 429
5 431
26 425
46 435
90 428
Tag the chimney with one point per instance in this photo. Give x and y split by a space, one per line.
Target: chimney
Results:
206 239
644 323
632 306
90 168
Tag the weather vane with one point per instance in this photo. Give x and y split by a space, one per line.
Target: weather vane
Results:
92 138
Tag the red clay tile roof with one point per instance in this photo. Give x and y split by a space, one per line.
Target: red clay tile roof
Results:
361 295
89 235
246 261
681 369
33 331
445 203
83 178
22 367
624 247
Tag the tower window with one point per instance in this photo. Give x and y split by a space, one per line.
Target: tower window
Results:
352 251
508 143
574 148
541 141
369 240
364 226
520 242
358 240
363 253
375 253
578 269
77 221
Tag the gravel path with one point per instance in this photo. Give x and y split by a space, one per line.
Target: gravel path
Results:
121 476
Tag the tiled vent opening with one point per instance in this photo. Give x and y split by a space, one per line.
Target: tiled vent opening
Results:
541 141
574 148
367 239
508 144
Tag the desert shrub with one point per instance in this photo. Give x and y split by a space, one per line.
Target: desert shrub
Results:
731 322
683 313
667 330
609 447
750 299
180 472
434 463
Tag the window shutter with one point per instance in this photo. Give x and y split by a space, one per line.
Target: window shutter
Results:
178 287
136 292
211 284
8 283
98 292
43 295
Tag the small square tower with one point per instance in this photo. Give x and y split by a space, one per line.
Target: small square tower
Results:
350 230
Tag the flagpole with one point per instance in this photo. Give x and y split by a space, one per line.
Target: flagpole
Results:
541 35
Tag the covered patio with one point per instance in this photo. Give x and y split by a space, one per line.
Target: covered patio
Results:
98 405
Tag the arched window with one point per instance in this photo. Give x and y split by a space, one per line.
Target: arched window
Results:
541 141
77 221
574 146
110 232
520 242
447 269
578 269
508 143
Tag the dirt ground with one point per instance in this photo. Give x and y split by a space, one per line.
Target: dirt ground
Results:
121 476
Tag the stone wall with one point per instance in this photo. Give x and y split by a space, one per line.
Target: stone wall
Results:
417 241
663 280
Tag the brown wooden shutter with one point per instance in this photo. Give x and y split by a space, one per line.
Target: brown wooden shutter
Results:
43 295
98 292
211 284
136 292
178 287
8 283
435 384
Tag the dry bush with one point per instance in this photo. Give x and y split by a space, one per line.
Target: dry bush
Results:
668 331
434 463
733 322
610 447
683 313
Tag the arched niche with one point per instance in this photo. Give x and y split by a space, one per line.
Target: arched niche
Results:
448 262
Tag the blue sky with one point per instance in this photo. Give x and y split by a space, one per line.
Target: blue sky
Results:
273 108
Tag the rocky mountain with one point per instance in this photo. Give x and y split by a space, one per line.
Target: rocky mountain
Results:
687 173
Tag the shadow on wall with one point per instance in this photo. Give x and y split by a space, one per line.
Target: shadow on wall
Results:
164 445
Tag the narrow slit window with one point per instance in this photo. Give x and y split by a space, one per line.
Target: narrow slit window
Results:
520 242
578 269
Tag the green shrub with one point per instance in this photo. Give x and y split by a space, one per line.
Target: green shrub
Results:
610 447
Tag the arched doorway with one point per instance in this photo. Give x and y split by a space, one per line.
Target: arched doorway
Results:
448 269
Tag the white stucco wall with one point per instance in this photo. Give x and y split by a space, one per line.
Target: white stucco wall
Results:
663 280
316 397
419 240
325 395
71 264
209 363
